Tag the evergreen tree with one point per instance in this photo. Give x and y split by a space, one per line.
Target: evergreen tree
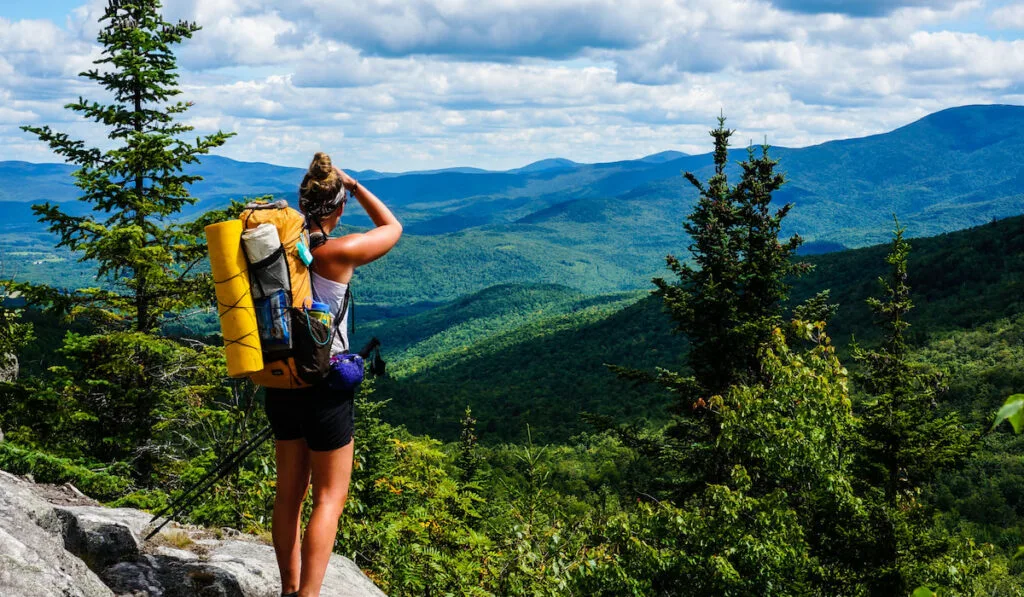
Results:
113 388
704 302
138 186
727 303
468 459
905 440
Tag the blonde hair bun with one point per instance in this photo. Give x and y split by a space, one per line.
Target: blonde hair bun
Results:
320 186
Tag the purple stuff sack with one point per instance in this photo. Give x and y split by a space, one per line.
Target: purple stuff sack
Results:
346 371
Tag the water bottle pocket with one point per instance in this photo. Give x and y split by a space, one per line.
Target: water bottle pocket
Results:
274 321
270 275
312 340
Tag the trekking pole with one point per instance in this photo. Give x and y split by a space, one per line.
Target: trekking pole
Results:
183 501
373 343
215 471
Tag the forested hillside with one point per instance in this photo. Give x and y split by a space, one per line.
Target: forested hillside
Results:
514 376
605 227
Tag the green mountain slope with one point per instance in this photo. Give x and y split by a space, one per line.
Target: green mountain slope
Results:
606 227
540 374
435 337
615 224
544 373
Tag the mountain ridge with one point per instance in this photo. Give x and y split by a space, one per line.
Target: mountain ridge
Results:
606 227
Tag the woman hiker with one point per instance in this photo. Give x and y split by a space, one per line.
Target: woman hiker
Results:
313 426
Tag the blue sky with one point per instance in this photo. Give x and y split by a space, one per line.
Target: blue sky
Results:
418 84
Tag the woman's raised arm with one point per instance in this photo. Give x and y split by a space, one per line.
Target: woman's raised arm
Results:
362 248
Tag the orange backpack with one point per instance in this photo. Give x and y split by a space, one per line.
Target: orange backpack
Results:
298 353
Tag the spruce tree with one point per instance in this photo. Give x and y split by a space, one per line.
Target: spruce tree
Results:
138 186
112 389
905 439
468 459
726 303
731 298
758 431
704 302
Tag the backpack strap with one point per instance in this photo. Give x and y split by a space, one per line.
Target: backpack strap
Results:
346 303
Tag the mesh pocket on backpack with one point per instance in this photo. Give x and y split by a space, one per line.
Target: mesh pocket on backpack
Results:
270 275
271 291
312 340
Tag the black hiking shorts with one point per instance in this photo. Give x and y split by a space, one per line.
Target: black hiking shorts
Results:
322 416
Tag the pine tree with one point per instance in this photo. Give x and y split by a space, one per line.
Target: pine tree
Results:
468 459
113 387
730 299
758 428
704 302
905 439
137 187
727 303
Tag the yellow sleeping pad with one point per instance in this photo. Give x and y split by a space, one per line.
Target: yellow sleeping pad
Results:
234 298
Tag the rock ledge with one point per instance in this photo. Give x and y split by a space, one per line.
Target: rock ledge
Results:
55 541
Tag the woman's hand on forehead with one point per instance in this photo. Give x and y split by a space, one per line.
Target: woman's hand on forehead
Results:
346 180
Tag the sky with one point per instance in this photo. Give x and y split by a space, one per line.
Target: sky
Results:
403 85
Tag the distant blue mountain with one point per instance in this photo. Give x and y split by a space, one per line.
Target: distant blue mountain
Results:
950 170
663 156
546 165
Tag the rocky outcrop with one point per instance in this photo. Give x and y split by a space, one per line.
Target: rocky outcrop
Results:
56 542
9 367
33 560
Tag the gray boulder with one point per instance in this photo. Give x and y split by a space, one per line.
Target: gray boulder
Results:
86 550
102 537
232 568
33 561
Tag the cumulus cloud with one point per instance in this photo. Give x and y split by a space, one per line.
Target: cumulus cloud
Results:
492 29
433 83
1008 17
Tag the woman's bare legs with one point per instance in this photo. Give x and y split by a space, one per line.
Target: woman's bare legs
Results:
331 472
292 482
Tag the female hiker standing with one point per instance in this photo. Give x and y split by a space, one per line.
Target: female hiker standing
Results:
313 426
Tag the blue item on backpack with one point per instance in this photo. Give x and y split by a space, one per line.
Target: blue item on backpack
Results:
347 370
274 321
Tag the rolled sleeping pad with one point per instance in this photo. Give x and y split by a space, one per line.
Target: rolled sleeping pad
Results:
234 298
267 273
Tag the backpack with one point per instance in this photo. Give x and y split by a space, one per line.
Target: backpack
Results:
296 348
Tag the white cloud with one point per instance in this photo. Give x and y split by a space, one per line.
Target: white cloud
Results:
431 83
1008 17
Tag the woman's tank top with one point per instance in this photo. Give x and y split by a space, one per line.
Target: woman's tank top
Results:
333 293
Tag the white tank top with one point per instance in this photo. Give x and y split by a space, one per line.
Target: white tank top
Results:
328 291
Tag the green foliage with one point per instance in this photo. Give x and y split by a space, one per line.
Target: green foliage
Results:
15 334
136 185
1012 411
904 442
770 527
47 468
408 521
114 398
468 459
